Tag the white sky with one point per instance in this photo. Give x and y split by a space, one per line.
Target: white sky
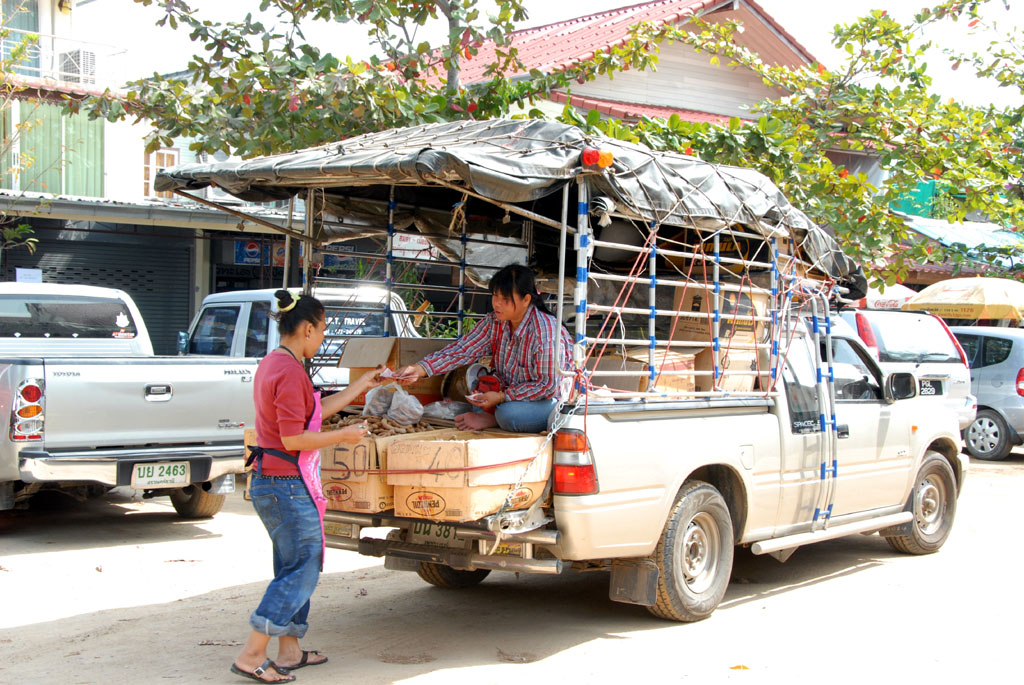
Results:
809 21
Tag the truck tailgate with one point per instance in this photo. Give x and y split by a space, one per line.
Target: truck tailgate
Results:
146 401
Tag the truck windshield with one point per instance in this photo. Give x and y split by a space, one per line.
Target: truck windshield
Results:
64 316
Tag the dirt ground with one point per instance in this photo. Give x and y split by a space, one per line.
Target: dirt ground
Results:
122 590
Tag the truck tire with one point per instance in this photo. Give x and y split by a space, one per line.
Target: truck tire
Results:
934 499
694 555
450 578
988 436
192 502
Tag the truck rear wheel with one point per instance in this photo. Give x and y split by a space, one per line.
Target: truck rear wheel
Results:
694 555
192 502
450 578
934 507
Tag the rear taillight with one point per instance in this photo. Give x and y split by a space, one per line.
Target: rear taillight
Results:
27 414
959 348
1020 382
573 464
866 334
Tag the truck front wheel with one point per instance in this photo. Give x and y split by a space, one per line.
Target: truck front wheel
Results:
192 502
934 507
694 555
450 578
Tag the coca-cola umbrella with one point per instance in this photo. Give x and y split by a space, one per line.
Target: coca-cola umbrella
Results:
892 297
972 299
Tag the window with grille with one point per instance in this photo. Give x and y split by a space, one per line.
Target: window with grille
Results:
154 162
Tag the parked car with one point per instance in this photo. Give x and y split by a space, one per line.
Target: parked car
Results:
997 378
921 344
91 407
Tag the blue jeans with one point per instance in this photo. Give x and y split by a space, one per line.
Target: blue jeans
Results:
522 416
291 518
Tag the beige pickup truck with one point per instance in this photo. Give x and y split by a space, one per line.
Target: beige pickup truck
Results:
787 433
660 494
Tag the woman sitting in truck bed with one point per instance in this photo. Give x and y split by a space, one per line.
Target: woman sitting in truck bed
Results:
519 335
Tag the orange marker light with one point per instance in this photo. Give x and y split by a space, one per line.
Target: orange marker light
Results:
605 159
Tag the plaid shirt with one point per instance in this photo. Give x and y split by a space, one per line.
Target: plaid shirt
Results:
524 359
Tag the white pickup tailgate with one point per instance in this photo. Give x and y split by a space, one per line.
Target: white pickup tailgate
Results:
146 401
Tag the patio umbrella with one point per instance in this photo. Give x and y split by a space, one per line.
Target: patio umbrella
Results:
972 298
892 298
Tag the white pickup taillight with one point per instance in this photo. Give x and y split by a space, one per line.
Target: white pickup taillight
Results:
27 413
1020 382
574 472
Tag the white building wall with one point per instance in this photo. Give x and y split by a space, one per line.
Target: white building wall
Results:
684 79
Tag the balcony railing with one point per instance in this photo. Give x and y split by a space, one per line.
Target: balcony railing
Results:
66 61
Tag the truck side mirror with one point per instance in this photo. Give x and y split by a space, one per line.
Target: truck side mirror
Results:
900 386
182 343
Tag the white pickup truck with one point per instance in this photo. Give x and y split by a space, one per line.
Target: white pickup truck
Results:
90 407
238 324
787 434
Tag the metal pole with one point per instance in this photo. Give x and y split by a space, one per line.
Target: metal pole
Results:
652 267
583 238
307 257
389 261
715 324
561 275
288 242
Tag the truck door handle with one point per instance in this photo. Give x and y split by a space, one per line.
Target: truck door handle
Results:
159 393
843 430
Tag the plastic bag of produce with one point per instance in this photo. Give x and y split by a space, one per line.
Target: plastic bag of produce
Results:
378 400
405 409
446 409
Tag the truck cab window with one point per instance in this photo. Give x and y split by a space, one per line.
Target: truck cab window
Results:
256 334
855 378
801 392
215 331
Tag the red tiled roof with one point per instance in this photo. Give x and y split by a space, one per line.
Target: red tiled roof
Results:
558 46
50 89
629 110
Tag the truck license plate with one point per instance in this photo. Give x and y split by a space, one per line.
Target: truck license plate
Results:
931 387
435 535
341 530
169 475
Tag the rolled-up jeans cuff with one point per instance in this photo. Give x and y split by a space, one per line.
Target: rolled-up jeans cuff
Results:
265 626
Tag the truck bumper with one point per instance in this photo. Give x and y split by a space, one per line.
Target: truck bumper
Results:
115 467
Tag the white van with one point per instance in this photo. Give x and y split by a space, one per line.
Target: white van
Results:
921 344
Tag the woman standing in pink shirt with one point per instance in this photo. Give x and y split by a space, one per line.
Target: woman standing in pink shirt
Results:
286 491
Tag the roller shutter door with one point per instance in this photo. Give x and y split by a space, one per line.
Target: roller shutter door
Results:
157 274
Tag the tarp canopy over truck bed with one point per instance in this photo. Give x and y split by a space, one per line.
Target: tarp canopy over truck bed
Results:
518 162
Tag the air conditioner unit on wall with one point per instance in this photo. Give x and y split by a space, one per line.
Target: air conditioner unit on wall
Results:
78 66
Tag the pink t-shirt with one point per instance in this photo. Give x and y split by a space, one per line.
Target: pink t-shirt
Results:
284 405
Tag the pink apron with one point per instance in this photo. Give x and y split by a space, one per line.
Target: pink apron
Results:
309 469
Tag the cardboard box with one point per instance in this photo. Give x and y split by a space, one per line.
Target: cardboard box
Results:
614 362
453 494
671 360
363 354
698 329
731 360
344 478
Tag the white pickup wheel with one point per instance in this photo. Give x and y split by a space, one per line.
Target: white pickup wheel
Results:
934 498
694 555
192 502
450 578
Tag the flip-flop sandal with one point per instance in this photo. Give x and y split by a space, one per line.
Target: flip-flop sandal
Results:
304 661
257 673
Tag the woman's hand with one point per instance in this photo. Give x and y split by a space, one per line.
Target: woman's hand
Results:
352 434
410 374
486 400
370 379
